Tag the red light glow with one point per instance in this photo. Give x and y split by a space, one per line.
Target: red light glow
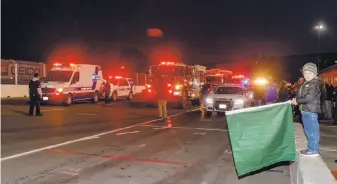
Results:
118 77
57 64
110 77
169 85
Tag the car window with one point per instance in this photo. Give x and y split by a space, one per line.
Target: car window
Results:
123 82
229 90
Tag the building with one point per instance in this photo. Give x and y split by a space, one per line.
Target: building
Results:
329 75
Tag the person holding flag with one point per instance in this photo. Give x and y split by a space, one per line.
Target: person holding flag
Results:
309 101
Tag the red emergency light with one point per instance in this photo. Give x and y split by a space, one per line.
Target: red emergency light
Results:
118 77
110 77
238 76
57 64
169 85
167 63
72 65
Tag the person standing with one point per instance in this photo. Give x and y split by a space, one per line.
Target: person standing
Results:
328 101
309 99
107 91
204 94
35 95
271 93
161 96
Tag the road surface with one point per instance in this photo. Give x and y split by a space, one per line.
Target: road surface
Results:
328 148
88 143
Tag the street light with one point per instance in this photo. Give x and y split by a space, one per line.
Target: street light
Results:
319 28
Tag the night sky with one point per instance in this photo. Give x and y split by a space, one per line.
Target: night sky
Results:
218 30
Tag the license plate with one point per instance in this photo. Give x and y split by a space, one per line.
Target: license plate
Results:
45 98
222 106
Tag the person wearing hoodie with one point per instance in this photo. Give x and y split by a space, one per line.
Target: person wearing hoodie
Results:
35 95
309 101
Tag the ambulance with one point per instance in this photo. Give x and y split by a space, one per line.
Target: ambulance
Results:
72 83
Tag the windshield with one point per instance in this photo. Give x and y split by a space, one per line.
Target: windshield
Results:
59 76
229 90
214 79
167 70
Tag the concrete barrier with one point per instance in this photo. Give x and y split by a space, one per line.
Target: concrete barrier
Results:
17 91
14 91
308 170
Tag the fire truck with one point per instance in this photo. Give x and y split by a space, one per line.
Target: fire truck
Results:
184 82
217 77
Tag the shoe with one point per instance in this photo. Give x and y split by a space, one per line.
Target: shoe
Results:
30 114
309 153
39 114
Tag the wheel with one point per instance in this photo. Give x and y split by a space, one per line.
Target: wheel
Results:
130 96
193 102
95 98
209 113
69 100
114 96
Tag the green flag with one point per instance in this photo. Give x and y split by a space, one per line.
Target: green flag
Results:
261 136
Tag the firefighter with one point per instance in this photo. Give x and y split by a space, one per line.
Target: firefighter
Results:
204 93
160 86
35 95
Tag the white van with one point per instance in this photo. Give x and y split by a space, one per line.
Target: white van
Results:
73 83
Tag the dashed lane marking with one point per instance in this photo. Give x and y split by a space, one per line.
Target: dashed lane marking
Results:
86 138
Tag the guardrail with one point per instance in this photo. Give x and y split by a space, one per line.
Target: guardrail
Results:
308 170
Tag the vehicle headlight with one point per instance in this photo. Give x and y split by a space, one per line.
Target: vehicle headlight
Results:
209 100
238 102
59 90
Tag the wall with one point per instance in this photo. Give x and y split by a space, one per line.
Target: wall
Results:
14 91
8 90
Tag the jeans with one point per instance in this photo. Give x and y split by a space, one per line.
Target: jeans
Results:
311 129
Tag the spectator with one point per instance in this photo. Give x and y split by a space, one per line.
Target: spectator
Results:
328 101
308 97
271 93
35 95
161 96
283 94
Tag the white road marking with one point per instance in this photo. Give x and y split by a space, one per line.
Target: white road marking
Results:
329 126
187 128
87 114
123 133
85 138
46 110
199 133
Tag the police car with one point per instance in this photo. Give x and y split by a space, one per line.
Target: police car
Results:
121 88
225 98
73 83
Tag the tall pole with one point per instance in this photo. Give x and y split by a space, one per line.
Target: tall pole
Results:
318 51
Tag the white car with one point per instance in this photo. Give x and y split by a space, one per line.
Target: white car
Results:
225 98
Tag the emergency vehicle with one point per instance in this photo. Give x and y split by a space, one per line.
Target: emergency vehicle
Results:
217 76
184 82
121 87
72 83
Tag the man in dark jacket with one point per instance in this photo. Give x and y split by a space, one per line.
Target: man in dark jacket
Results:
309 100
107 91
35 95
328 101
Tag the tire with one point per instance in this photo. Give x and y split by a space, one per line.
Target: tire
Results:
130 96
114 96
69 100
95 98
209 113
193 102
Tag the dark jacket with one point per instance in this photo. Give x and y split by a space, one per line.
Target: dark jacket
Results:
309 96
329 91
271 93
35 92
283 94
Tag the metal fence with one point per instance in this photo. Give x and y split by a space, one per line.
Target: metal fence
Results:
20 72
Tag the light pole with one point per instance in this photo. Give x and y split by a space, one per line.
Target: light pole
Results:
318 28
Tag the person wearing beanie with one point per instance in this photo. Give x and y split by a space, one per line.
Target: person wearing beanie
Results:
309 101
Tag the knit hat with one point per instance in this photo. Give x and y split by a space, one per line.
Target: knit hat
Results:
310 67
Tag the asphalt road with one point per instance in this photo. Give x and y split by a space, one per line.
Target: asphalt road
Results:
93 146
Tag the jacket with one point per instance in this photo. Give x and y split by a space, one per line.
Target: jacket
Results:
309 96
271 93
35 91
161 89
